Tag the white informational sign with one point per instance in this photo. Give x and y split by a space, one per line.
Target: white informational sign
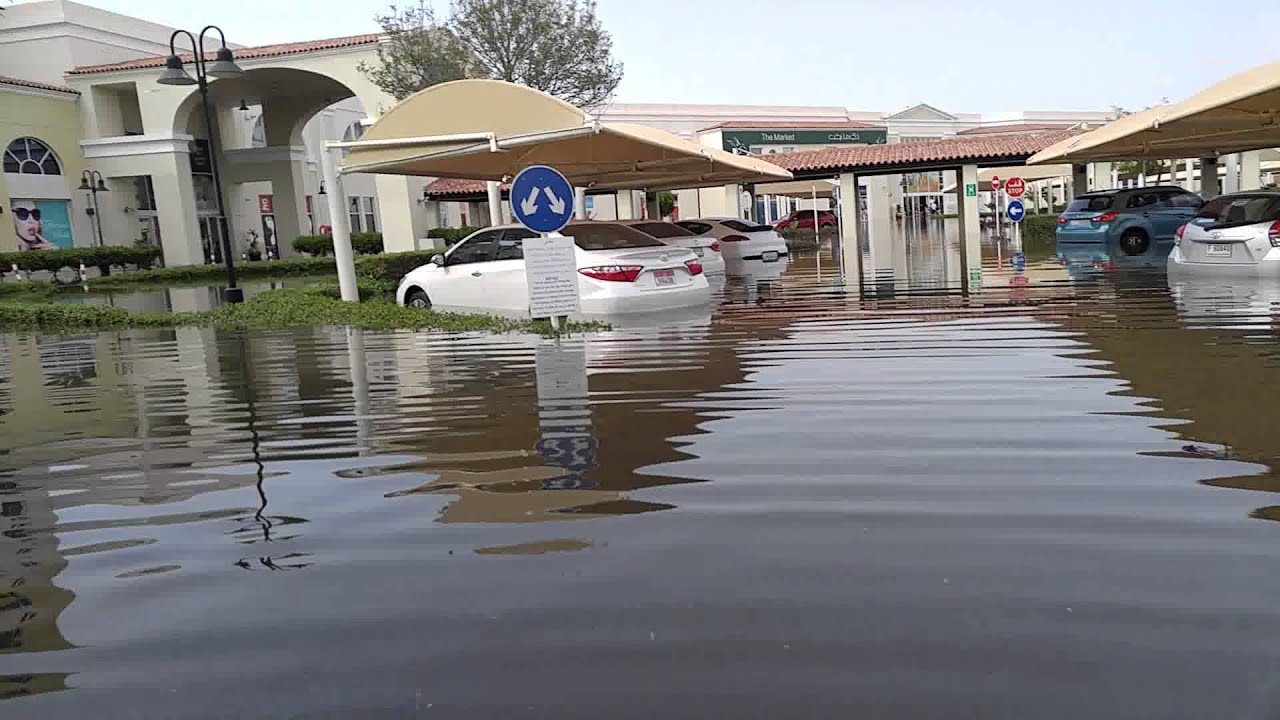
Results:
551 271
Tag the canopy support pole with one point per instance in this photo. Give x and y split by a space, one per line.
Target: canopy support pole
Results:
494 191
970 228
342 253
1250 170
850 230
579 203
1209 187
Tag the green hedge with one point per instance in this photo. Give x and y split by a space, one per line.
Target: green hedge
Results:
1039 228
451 235
101 257
321 245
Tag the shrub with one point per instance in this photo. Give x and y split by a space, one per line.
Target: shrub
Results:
1039 228
321 245
382 273
451 235
104 258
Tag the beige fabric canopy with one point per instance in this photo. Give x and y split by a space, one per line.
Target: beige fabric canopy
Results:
490 130
1239 113
798 188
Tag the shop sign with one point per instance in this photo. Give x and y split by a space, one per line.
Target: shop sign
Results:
740 141
266 204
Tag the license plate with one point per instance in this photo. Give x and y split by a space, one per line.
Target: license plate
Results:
1080 222
771 256
664 277
1218 250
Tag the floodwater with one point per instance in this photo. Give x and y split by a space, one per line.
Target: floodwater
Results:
1054 498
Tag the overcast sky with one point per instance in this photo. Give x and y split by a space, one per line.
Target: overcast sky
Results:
959 55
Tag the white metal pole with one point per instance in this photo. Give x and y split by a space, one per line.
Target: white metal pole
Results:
495 202
817 237
341 229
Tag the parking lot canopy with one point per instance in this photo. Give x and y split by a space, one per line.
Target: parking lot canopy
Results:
1237 114
490 130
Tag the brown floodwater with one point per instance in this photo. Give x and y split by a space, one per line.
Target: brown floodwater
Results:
1052 498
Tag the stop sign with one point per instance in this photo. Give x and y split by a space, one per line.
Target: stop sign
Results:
995 182
1015 186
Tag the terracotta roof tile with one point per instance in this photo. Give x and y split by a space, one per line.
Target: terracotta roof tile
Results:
810 125
445 187
1011 128
5 80
977 147
250 53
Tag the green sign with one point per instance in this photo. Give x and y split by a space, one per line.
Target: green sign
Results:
971 190
741 141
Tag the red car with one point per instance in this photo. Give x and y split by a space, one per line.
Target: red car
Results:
803 219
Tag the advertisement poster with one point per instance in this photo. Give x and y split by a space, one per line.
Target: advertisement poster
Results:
42 224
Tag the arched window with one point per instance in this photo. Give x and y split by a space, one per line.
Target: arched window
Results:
353 132
29 156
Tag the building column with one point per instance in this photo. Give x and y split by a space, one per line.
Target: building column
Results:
176 210
850 229
400 218
1250 170
1079 181
1189 182
629 206
579 203
1102 176
768 211
652 209
494 192
1209 187
1231 178
880 222
971 227
289 202
733 201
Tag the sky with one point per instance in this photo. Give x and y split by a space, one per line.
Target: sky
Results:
958 55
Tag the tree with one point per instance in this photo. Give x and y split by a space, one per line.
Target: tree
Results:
666 203
420 52
556 46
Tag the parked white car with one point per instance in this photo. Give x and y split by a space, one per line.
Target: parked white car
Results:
740 239
1238 232
620 270
707 248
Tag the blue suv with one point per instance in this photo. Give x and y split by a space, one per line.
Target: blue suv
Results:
1133 220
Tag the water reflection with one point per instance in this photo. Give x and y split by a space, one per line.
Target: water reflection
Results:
1058 458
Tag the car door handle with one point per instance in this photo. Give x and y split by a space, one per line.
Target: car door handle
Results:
476 273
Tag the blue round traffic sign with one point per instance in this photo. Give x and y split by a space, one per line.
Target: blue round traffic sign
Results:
1015 211
541 199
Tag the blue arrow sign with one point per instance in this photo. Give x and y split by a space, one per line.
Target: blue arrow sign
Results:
1018 261
541 199
1015 211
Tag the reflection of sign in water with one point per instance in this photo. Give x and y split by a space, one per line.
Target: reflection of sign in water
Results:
564 415
551 272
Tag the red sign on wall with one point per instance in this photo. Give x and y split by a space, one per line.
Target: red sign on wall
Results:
309 206
266 204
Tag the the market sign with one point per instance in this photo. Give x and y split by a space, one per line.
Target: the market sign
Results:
741 141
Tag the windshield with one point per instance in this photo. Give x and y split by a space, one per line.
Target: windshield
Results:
1090 203
605 236
662 230
1231 210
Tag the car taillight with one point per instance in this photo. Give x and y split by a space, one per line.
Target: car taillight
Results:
695 267
1105 217
715 247
1177 234
1063 221
734 238
1274 234
613 273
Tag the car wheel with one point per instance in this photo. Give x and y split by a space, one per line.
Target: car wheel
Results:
417 298
1134 242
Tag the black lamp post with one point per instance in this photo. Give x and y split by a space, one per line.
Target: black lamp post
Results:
223 66
91 182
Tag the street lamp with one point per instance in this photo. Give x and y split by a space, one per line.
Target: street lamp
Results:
223 66
91 182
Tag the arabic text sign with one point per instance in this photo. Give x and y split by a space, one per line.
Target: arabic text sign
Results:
551 272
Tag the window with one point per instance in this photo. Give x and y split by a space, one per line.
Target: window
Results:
259 137
1184 200
1231 210
1143 200
1090 203
511 244
353 132
478 248
144 192
739 226
606 236
362 214
370 216
697 228
662 230
29 156
353 213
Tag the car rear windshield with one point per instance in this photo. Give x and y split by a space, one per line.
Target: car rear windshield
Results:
662 230
1090 203
740 226
1232 210
590 236
697 228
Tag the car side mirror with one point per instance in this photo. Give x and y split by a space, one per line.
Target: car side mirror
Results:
437 260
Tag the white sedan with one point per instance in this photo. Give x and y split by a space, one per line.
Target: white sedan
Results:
706 247
1234 233
620 270
740 239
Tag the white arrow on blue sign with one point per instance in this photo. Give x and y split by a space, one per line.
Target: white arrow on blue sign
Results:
1015 211
541 199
